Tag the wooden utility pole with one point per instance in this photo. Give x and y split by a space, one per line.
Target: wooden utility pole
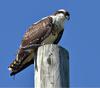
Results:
52 67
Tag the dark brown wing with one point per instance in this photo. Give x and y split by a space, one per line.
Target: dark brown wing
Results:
59 37
38 32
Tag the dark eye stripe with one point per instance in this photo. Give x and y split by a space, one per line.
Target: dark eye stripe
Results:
60 12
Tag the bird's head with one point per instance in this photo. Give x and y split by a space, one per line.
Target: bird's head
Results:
62 14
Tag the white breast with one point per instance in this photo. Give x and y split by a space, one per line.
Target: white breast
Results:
58 20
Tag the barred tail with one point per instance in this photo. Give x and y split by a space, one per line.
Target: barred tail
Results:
23 60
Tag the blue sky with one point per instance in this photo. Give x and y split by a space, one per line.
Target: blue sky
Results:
81 38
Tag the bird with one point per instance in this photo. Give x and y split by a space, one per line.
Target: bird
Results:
47 30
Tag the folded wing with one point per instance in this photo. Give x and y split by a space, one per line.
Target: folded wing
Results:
35 35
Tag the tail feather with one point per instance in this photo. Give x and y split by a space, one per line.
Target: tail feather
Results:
23 60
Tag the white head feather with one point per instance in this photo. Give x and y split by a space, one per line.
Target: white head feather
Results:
59 17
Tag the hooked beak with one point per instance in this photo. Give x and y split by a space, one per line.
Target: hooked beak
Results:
67 17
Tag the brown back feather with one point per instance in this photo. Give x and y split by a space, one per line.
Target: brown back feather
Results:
37 32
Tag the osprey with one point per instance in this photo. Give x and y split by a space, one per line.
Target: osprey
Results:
48 30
